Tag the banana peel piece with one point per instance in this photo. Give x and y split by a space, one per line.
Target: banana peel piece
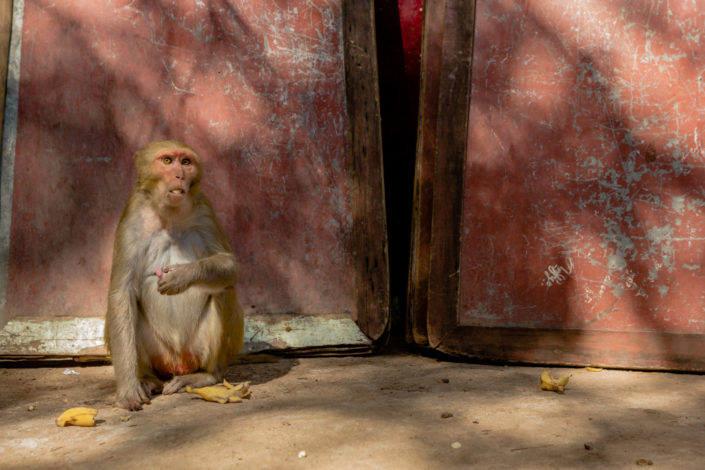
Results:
551 384
80 416
223 393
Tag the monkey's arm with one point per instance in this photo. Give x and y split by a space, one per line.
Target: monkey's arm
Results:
120 324
216 272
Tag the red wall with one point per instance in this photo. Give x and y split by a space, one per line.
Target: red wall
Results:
584 201
257 87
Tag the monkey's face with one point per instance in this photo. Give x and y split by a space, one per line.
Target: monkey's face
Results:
176 171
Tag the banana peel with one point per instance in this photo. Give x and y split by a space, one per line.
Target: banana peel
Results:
223 393
81 416
551 384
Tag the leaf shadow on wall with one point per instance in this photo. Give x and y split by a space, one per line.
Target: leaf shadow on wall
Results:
584 206
256 89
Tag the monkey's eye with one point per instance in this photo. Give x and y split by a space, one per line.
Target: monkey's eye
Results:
186 161
167 160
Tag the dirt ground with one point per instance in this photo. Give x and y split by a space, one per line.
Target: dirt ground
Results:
393 411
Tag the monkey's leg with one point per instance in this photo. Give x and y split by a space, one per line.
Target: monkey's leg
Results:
209 347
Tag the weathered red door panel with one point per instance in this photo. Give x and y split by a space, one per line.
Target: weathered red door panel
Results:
260 90
575 232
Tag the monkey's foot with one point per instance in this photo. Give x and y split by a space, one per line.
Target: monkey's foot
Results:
152 386
133 401
180 382
139 394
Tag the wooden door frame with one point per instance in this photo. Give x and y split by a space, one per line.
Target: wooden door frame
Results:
365 151
435 275
446 65
359 332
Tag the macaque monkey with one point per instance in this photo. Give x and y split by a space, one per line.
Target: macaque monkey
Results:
173 316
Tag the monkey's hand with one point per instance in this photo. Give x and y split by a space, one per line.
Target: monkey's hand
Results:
175 279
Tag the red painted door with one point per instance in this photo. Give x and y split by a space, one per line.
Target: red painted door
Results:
563 143
289 135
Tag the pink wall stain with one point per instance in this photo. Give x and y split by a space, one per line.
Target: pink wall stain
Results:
256 87
584 203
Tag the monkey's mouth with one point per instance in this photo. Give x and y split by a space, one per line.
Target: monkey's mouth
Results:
176 196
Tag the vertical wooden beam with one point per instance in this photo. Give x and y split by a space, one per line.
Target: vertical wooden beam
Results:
449 167
365 150
419 264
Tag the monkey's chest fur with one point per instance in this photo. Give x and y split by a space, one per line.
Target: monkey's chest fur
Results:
170 324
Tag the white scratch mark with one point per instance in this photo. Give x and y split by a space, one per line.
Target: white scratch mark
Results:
173 85
557 274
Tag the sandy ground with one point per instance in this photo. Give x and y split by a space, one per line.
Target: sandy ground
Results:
394 411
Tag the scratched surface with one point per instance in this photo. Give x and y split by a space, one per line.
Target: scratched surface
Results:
584 202
257 87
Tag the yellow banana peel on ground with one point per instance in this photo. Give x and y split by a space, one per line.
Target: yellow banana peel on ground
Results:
223 393
81 416
551 384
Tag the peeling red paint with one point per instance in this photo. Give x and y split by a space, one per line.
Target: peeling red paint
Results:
257 87
584 205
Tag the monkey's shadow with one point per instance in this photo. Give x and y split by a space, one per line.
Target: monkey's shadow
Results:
259 368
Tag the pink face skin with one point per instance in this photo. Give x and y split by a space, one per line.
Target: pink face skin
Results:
176 169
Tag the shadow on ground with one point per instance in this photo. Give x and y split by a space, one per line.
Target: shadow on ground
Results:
389 411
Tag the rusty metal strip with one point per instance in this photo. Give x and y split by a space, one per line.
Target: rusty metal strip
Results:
9 137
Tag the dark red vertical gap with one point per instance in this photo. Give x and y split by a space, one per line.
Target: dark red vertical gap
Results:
399 24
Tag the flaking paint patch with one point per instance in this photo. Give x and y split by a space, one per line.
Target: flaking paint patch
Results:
300 331
583 142
66 336
661 240
78 336
616 262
